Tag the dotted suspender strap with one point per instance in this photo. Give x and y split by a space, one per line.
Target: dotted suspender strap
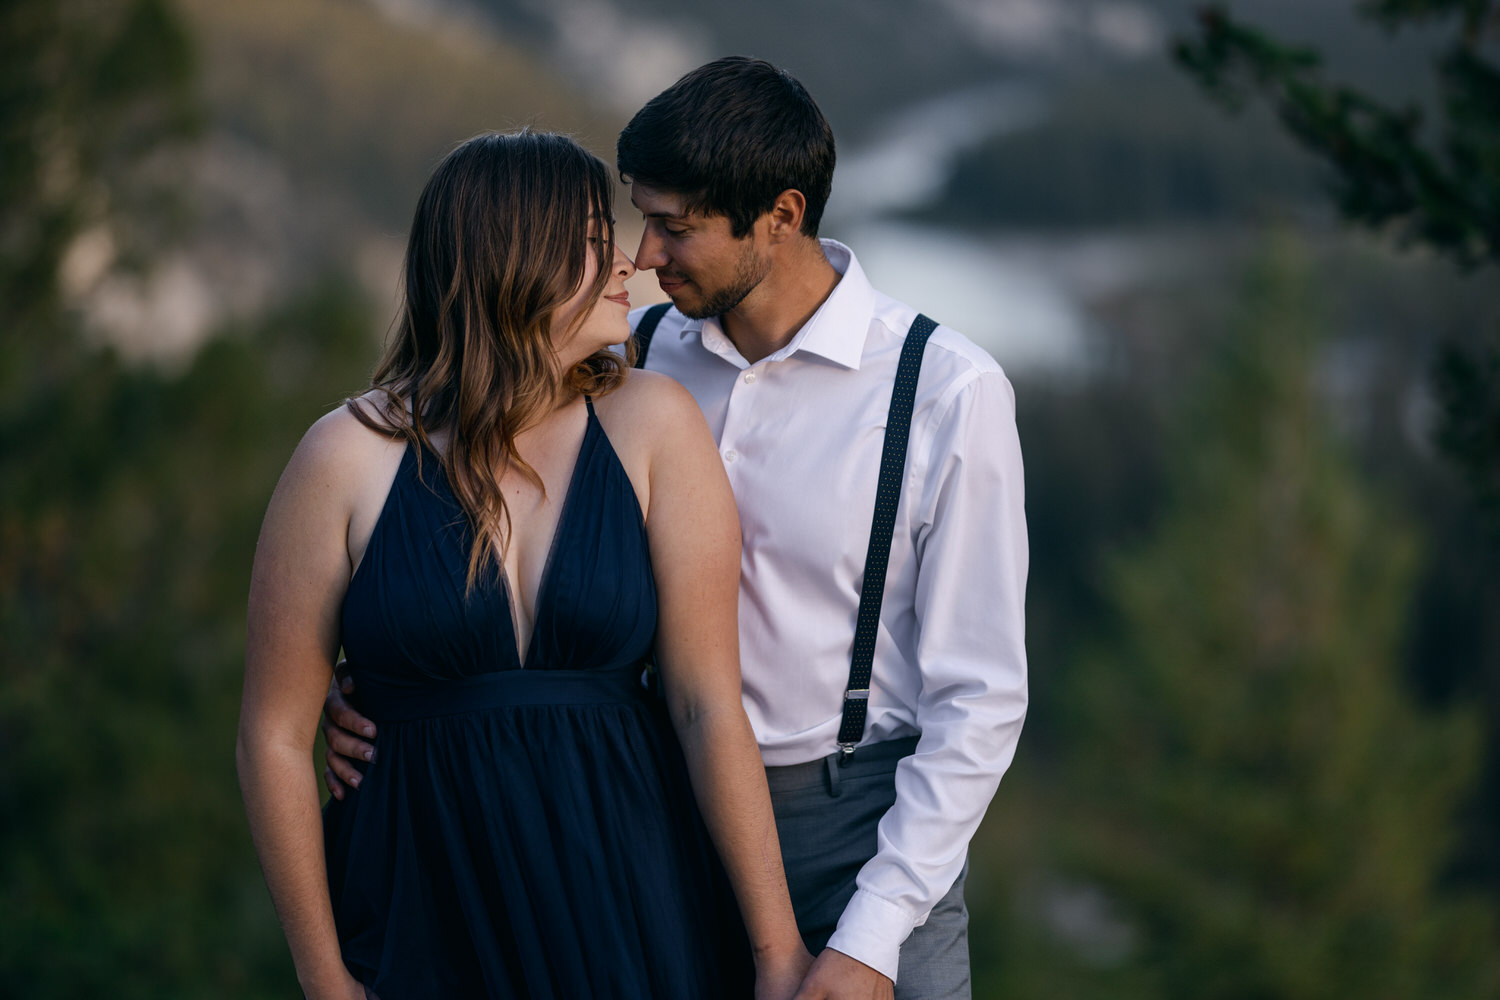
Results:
887 496
645 328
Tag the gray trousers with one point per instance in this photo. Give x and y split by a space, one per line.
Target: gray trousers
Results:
826 816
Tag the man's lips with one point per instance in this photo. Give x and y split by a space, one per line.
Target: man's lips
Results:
668 284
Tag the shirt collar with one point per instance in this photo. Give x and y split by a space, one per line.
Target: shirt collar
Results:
837 331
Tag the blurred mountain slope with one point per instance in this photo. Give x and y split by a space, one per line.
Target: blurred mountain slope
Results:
1119 137
321 122
350 98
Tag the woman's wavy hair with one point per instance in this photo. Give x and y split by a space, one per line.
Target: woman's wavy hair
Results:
498 244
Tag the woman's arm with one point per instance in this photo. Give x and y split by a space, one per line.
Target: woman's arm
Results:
695 554
300 575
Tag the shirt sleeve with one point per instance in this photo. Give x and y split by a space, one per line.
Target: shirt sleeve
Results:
969 528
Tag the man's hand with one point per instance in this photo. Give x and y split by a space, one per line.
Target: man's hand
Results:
836 976
342 729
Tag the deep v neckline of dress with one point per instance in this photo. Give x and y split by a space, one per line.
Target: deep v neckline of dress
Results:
539 603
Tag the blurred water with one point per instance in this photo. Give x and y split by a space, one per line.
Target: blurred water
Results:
998 294
995 292
906 162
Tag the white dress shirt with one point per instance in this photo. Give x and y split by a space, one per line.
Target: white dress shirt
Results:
801 433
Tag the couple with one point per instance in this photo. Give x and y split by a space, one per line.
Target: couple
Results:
504 527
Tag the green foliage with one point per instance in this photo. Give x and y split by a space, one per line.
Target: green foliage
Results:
1469 385
129 526
1437 189
129 505
1397 13
1255 795
89 92
1443 193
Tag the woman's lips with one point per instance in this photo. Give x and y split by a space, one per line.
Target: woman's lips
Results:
623 298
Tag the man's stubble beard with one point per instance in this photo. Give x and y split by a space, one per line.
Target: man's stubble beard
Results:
748 273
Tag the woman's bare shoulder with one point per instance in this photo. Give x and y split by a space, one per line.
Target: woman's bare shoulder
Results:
651 403
339 444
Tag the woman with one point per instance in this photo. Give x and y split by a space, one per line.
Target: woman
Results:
496 534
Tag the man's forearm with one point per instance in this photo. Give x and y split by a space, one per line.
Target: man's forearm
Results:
969 604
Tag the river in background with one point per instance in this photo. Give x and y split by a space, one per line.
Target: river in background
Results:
1022 297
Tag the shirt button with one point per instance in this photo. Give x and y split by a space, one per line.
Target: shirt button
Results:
731 455
749 377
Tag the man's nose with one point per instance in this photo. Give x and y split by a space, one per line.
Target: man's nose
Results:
652 252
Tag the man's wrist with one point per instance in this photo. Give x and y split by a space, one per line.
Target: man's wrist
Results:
871 931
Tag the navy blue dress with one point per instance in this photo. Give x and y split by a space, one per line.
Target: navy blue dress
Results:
526 829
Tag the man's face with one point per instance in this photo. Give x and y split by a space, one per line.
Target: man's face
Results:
699 263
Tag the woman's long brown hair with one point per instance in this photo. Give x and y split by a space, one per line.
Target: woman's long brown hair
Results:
498 244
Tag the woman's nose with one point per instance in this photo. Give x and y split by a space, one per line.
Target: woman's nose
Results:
623 264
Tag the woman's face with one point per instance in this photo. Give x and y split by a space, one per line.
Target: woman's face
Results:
584 324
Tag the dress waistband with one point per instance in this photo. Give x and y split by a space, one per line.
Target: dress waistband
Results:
383 701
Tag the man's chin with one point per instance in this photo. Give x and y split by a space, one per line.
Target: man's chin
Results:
706 305
690 306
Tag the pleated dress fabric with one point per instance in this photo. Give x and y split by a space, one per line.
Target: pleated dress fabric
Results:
526 829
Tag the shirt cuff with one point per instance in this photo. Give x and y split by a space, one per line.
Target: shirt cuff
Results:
871 931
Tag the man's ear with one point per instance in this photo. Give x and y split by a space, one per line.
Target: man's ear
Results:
786 215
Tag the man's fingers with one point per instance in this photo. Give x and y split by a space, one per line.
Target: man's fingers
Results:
336 709
335 786
346 744
343 769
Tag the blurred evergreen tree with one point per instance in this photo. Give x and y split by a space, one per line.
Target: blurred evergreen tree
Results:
125 866
1262 808
129 505
92 94
1440 193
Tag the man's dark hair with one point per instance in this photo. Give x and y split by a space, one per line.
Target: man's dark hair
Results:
729 137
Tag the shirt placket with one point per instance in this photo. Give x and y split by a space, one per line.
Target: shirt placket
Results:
739 418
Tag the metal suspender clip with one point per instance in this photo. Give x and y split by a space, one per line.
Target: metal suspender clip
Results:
846 749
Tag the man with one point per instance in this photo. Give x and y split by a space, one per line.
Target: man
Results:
793 356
